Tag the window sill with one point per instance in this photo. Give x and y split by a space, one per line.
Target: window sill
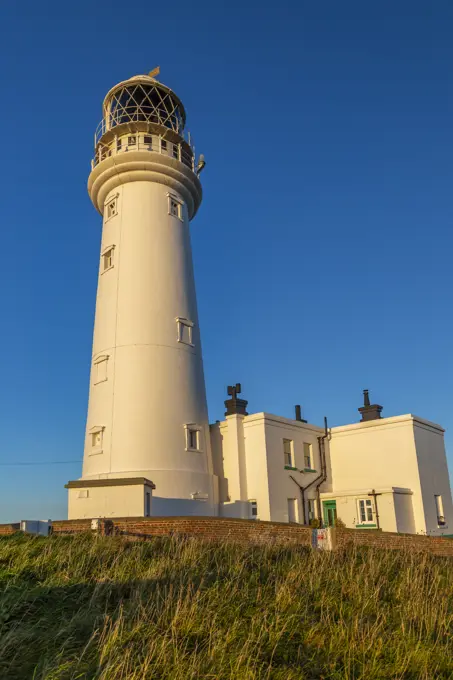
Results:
96 382
309 470
194 450
289 467
366 526
107 269
96 452
176 217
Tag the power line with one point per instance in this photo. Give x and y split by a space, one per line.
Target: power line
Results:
48 462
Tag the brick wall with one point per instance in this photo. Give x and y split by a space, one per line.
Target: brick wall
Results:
8 529
385 539
237 530
248 531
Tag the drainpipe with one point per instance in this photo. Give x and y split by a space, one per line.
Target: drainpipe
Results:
302 496
323 475
320 478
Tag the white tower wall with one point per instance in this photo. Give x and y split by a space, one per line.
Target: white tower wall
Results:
147 384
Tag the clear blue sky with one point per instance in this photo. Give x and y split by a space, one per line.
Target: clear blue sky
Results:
323 246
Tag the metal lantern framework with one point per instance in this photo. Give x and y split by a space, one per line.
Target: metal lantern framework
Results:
143 105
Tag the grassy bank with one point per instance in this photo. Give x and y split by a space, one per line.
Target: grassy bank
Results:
86 607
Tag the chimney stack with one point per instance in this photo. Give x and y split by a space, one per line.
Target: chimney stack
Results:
369 411
299 414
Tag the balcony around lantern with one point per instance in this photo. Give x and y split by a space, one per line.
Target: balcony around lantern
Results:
137 141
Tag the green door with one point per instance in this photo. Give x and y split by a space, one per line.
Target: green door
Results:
330 513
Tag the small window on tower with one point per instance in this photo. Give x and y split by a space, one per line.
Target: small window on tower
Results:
100 369
107 258
175 151
132 140
163 145
148 140
185 331
174 207
96 438
193 437
111 208
118 144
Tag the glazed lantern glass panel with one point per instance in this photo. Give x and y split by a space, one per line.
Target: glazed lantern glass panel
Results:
142 102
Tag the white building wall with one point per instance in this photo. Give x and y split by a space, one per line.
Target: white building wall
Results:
257 441
404 511
403 451
108 501
434 477
379 453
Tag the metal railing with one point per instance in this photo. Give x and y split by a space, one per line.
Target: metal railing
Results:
134 114
136 142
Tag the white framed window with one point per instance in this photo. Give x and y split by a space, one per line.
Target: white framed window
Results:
185 330
311 509
111 207
148 140
107 258
100 369
288 452
253 508
163 146
308 458
365 511
193 437
96 435
176 151
132 140
175 207
440 511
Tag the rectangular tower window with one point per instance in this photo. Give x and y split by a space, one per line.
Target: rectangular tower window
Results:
365 511
307 456
193 437
288 452
163 146
175 151
148 140
174 206
118 144
96 437
107 258
185 331
100 369
111 208
440 511
132 140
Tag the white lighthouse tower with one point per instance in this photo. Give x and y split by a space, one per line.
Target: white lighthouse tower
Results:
147 428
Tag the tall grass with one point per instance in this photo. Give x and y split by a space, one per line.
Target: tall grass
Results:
87 607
